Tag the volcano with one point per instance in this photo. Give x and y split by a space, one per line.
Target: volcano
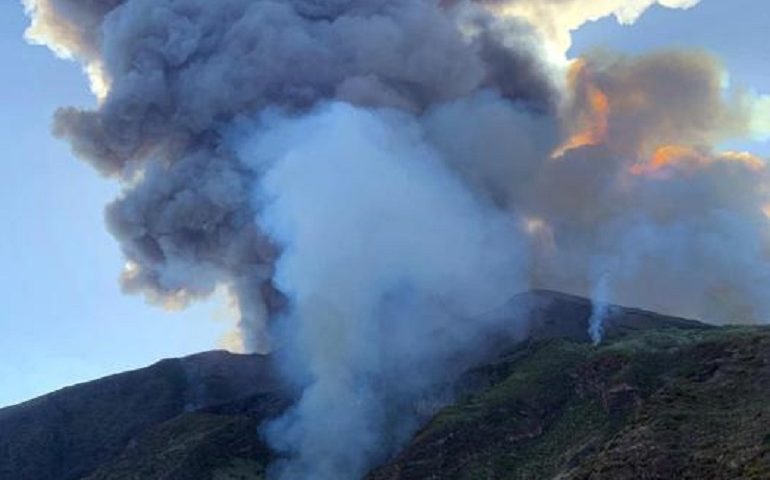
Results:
661 397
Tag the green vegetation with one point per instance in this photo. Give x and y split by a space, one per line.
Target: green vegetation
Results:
223 447
662 398
67 434
664 403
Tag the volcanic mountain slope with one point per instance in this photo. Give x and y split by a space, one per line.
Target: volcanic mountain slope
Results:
70 433
662 398
657 404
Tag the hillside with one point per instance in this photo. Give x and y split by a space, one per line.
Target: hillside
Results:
662 398
69 433
658 404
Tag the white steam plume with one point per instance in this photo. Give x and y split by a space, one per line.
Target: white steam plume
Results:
387 257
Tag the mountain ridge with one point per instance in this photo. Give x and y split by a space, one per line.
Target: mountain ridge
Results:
198 417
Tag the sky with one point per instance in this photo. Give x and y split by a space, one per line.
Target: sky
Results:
63 317
727 29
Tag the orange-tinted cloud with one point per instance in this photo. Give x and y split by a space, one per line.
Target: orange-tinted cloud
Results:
593 122
689 158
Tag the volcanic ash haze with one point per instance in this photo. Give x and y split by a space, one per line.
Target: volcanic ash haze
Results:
366 177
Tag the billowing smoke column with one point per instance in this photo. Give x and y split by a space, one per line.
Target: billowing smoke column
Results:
172 76
369 177
642 205
387 256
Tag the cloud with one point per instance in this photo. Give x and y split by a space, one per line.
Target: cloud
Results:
555 20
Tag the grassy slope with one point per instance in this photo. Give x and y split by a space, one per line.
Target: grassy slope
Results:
666 403
657 404
216 443
191 446
67 434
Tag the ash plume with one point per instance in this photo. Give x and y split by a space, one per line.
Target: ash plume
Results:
367 178
176 74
